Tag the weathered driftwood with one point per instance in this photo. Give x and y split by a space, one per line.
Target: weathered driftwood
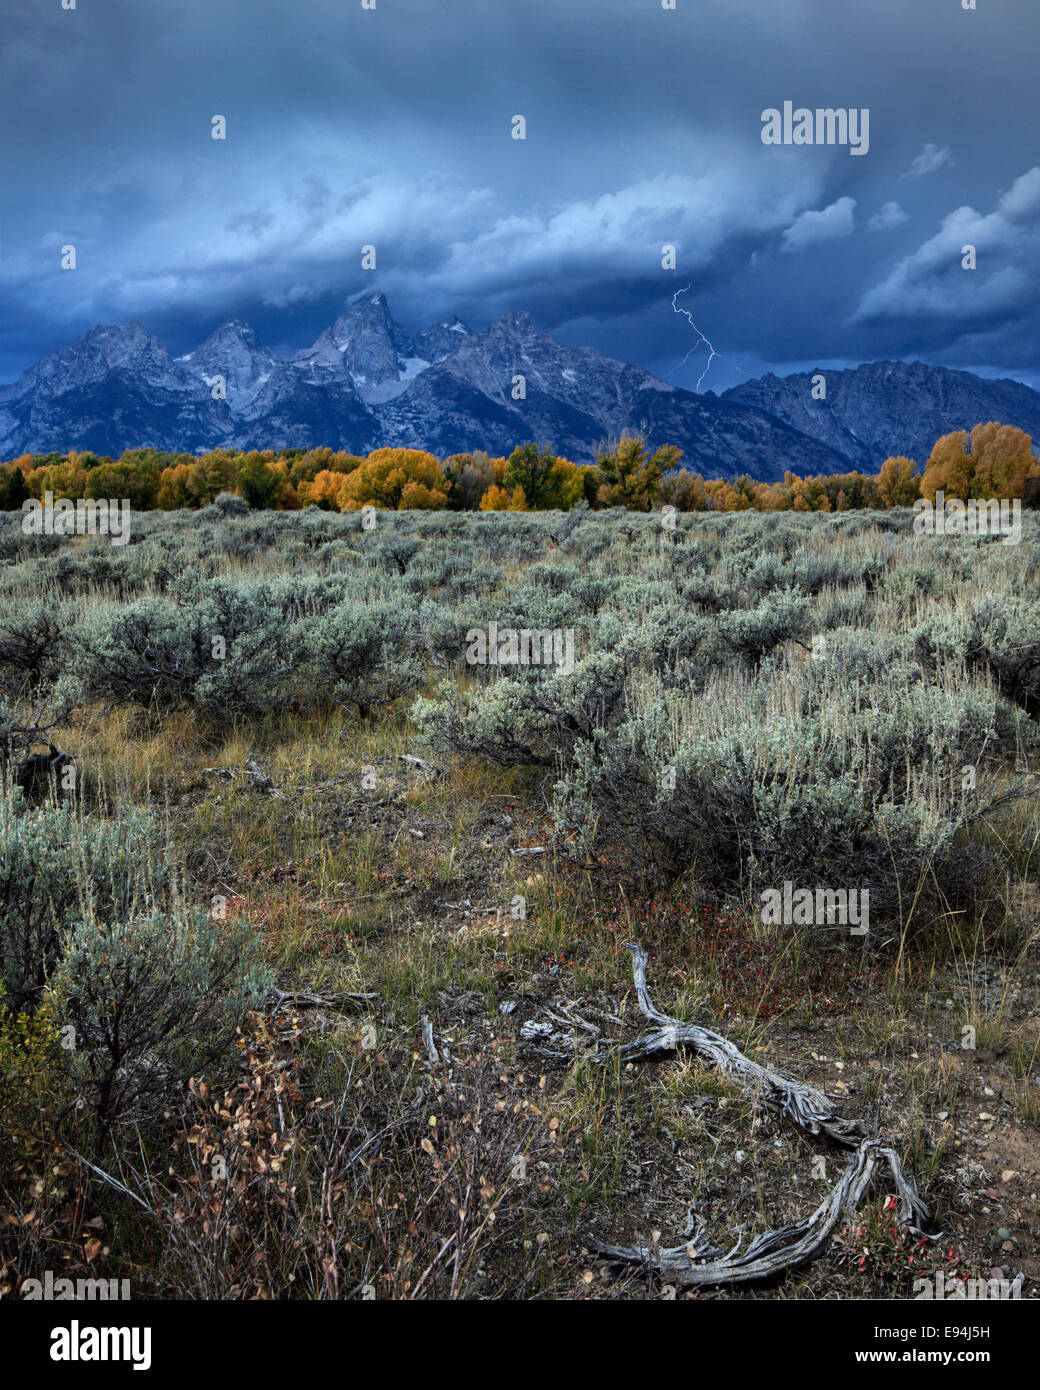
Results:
249 770
432 1055
419 764
771 1252
306 999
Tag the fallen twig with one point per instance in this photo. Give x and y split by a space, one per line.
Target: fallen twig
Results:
250 770
415 762
304 999
432 1055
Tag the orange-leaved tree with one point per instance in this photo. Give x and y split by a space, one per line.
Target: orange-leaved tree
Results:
994 462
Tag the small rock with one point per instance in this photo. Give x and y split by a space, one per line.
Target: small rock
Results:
1008 1174
1004 1233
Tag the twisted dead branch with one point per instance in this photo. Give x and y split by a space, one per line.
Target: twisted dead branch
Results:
771 1252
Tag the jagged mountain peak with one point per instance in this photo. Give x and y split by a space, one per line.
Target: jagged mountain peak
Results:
441 339
115 340
233 328
235 353
370 307
367 382
366 343
95 355
519 323
236 336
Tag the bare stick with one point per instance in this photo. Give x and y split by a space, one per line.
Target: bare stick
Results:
771 1252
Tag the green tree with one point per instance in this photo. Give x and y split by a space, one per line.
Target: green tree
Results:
260 481
531 467
630 479
135 480
13 491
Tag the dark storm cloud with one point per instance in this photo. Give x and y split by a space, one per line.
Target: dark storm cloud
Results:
391 127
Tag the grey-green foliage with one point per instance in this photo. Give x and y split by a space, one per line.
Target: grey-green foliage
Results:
35 646
532 717
229 504
153 998
56 867
364 655
249 623
140 653
753 633
745 787
996 635
227 648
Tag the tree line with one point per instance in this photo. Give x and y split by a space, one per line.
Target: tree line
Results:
992 461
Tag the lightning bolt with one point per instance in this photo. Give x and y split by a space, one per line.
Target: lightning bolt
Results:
712 351
712 354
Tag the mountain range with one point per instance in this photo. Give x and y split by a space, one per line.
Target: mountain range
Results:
368 381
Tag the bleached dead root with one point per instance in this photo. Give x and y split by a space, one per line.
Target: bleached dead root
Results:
771 1252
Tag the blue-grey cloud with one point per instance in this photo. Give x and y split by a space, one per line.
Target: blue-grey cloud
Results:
828 224
929 161
938 281
887 218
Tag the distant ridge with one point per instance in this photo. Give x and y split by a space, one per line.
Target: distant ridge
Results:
368 381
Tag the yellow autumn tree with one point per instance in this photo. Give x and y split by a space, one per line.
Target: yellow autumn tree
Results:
495 499
419 497
684 491
65 479
809 495
173 488
380 481
899 483
307 467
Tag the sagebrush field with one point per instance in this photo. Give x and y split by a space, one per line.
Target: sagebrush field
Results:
312 955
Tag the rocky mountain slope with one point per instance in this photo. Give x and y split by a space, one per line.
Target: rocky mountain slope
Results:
368 381
886 408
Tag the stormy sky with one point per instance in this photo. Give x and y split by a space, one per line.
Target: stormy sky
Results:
392 127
